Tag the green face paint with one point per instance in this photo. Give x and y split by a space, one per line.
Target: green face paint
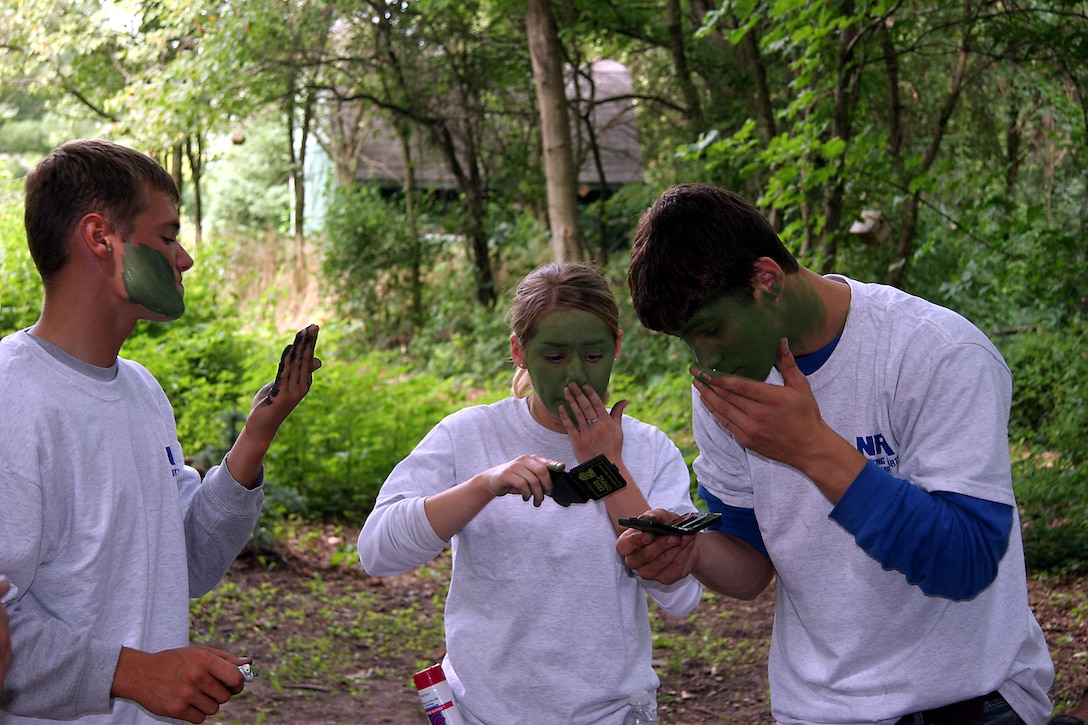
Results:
569 346
151 281
733 335
738 335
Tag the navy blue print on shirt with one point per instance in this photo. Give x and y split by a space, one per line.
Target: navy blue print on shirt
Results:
174 468
875 447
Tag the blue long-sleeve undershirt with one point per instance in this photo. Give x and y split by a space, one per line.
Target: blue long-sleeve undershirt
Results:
948 544
739 522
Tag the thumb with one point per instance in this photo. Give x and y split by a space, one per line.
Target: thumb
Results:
617 410
787 366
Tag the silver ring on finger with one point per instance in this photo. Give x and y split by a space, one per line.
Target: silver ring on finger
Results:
591 421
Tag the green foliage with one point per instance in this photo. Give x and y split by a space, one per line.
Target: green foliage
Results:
202 366
607 223
25 137
1049 417
247 184
1053 507
330 457
20 285
364 415
1050 410
376 259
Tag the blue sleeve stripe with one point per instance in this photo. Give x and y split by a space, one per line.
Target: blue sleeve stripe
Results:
948 544
739 522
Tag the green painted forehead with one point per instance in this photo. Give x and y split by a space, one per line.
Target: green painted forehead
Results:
565 326
720 309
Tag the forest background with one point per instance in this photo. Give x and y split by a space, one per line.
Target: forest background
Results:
965 125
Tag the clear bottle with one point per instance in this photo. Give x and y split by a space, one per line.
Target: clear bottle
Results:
642 710
436 696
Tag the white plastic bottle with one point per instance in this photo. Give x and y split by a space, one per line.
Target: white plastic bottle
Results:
436 696
642 710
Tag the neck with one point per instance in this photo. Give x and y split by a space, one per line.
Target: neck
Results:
820 307
94 337
544 416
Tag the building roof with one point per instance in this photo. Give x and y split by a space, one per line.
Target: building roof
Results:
606 93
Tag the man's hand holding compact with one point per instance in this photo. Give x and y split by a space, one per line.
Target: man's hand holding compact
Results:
666 559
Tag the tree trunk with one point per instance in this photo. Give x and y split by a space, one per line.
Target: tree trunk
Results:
680 62
561 178
415 272
175 166
846 89
196 171
471 186
897 268
298 183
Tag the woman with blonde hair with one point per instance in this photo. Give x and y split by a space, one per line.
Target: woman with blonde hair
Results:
543 621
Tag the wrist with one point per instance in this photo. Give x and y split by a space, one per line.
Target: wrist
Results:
833 465
482 490
245 458
126 674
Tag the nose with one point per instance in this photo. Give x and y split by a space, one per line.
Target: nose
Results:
704 356
184 260
576 372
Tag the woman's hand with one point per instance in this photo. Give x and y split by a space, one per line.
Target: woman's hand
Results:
450 510
590 425
593 429
527 475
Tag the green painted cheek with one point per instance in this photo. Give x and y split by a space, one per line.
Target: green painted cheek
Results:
150 280
549 388
576 333
599 378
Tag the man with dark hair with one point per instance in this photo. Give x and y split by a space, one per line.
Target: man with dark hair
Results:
107 533
854 438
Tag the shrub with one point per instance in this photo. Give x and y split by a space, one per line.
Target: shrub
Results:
1050 375
1047 424
1054 516
20 285
363 417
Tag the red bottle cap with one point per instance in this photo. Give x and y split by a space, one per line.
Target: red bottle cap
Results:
429 677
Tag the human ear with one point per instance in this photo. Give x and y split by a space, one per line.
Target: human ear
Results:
619 345
516 352
94 231
768 276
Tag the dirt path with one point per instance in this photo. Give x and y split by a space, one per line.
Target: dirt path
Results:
338 647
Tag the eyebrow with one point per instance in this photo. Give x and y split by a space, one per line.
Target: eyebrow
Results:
580 343
699 319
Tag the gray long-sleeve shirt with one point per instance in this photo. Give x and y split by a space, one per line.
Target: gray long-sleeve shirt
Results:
544 623
104 532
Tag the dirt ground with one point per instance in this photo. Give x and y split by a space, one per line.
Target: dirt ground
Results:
379 690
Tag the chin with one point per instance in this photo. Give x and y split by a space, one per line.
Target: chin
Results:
153 316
